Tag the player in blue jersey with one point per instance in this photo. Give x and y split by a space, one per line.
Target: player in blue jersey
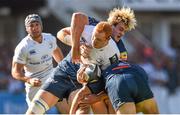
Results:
63 84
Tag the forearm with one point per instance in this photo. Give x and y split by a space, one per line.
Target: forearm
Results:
77 101
58 55
74 105
102 96
79 20
20 76
77 26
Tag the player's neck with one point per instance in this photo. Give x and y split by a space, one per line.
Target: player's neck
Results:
38 39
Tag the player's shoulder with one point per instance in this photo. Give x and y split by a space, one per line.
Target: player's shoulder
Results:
25 41
93 21
23 44
88 29
49 35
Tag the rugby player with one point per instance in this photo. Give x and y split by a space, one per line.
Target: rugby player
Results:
34 55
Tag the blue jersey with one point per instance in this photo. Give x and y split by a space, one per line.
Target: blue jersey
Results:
93 21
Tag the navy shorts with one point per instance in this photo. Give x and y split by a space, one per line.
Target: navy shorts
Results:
61 84
97 86
63 81
130 85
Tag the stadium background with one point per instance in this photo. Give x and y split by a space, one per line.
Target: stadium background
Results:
154 44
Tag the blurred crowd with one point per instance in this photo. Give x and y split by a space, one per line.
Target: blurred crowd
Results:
7 83
162 71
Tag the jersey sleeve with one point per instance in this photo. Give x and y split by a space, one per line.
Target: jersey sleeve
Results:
20 55
93 21
87 34
123 50
53 41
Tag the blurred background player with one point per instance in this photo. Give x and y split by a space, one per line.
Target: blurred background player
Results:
33 57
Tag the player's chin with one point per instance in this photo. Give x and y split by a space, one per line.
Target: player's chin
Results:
95 45
36 34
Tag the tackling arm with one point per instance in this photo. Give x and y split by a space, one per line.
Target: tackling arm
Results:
79 20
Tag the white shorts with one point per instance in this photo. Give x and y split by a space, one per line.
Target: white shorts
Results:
31 91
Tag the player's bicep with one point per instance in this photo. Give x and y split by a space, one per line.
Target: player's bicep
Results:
16 68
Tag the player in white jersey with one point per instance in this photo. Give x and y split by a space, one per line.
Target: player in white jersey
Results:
34 55
99 54
104 52
37 60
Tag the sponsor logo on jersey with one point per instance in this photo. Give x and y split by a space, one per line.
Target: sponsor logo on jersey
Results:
44 57
32 52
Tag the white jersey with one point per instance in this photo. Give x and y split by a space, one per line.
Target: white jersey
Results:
103 56
37 57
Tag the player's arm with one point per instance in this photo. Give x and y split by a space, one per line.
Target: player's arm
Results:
93 98
102 95
79 20
58 55
64 35
17 73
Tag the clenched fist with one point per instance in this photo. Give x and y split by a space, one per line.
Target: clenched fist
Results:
34 82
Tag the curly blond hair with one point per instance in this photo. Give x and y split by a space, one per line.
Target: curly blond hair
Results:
125 15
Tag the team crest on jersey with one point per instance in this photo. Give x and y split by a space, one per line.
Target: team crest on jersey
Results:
32 52
114 59
123 56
